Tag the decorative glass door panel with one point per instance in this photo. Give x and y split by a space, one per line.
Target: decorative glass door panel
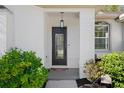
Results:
59 46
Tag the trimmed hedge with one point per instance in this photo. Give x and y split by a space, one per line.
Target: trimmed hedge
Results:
21 69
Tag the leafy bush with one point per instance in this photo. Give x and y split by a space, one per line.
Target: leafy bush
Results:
111 8
21 69
112 64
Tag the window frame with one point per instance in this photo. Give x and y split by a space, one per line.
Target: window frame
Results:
107 43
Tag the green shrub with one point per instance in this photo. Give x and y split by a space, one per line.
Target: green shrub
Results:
111 8
112 64
21 69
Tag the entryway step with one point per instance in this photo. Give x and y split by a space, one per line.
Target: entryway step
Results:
61 84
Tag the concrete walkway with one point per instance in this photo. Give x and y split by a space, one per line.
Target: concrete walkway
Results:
61 84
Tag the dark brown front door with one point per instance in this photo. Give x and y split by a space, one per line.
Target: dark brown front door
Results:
59 46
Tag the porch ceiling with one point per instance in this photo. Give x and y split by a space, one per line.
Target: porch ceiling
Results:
73 8
70 6
97 7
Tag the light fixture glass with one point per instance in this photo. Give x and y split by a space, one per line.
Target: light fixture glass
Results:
61 21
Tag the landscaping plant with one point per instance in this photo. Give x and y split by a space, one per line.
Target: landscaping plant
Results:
112 64
22 69
92 70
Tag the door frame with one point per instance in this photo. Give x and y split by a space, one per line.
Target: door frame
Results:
65 47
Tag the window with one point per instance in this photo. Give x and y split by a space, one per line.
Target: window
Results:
102 35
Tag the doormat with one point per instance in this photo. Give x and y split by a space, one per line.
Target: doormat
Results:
59 69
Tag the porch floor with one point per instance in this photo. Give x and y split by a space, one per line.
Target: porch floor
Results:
65 74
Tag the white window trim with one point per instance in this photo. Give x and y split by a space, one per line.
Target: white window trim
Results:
107 46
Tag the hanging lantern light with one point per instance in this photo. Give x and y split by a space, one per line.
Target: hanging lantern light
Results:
61 21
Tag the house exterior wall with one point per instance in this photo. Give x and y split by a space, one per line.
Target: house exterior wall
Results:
27 31
87 51
29 28
71 20
10 31
115 37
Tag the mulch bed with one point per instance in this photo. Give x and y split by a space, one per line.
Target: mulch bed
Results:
82 81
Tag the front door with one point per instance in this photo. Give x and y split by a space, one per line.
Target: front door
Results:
59 46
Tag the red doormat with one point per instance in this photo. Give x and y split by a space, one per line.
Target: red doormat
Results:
59 69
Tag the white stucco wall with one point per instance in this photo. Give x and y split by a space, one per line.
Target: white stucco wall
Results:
71 20
26 30
10 39
29 28
87 51
115 36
